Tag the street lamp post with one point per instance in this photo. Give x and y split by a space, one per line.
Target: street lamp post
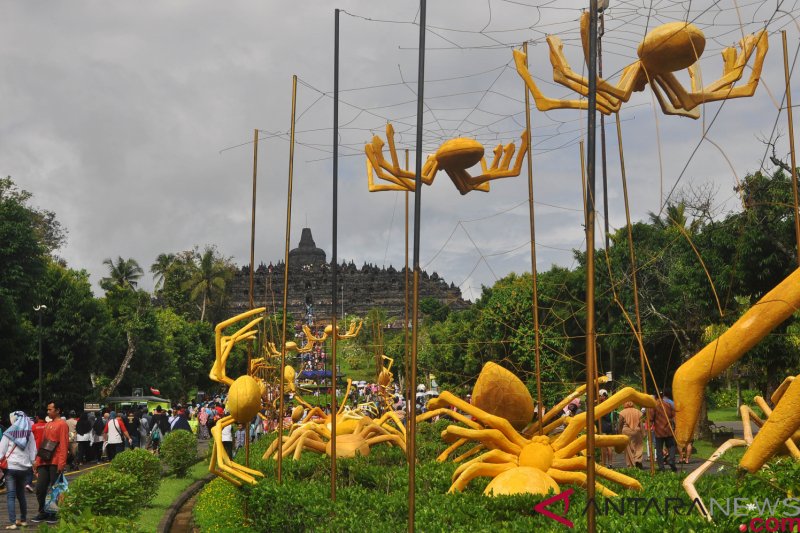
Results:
40 311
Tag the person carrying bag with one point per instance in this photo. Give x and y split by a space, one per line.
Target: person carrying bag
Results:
51 459
17 453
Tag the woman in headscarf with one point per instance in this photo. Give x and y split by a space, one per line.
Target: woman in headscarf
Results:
630 424
83 429
18 447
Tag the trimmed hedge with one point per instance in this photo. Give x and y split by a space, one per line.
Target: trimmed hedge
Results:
144 466
86 522
372 495
104 492
179 451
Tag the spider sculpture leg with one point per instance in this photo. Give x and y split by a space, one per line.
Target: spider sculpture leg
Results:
618 442
308 441
492 456
780 426
222 464
500 165
503 426
578 478
691 479
479 470
383 421
579 464
577 423
223 344
721 89
491 438
393 439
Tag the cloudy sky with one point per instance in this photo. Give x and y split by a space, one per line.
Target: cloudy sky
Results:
134 121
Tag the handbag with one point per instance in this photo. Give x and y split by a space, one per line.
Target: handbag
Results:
47 450
4 460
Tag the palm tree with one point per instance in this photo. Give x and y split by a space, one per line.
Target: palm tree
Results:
160 268
124 273
209 278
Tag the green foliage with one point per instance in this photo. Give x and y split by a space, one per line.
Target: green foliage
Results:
104 491
726 398
144 466
372 492
179 451
86 522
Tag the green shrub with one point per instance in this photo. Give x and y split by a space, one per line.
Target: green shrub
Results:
179 451
86 522
726 398
144 466
105 492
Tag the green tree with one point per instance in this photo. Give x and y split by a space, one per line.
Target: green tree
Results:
28 237
160 269
207 282
123 273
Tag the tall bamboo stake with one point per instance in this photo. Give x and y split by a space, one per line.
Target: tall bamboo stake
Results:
281 406
635 287
590 304
252 272
791 143
334 249
409 391
534 277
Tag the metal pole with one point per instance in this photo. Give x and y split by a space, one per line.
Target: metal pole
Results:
412 418
603 161
791 143
534 276
334 241
590 310
252 272
635 289
40 310
281 407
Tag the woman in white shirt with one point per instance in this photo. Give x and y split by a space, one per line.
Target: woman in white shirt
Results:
18 447
114 432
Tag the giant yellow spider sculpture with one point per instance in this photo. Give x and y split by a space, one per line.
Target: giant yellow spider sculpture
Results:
535 465
665 50
355 432
455 157
244 397
785 417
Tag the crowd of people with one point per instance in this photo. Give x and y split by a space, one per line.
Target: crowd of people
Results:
37 450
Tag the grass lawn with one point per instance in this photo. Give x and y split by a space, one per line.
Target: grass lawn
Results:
169 490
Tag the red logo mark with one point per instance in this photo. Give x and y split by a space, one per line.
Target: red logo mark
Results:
561 519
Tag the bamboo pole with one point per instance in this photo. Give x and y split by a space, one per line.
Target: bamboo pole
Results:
252 270
632 254
534 277
281 406
791 143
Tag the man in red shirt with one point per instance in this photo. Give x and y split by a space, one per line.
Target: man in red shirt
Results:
48 470
38 428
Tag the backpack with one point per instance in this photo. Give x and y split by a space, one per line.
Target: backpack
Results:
99 426
156 433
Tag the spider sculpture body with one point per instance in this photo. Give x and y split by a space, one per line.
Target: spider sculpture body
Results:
455 157
500 393
666 49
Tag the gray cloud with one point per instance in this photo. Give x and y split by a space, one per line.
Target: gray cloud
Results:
115 116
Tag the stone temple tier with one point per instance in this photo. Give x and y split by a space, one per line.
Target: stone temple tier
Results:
360 289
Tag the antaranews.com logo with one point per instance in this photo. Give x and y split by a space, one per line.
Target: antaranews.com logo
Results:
780 514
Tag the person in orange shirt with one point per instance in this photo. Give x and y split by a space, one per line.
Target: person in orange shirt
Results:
49 469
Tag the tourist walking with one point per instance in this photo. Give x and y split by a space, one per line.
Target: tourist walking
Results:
51 459
83 429
202 420
662 427
630 425
18 449
114 433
